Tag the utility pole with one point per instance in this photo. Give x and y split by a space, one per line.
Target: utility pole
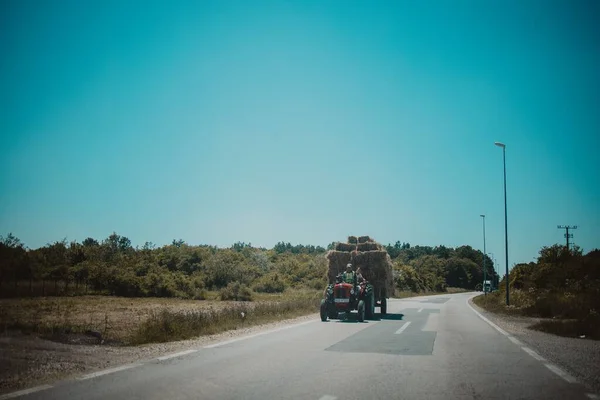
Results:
567 234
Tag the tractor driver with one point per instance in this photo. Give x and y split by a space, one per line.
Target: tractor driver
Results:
348 276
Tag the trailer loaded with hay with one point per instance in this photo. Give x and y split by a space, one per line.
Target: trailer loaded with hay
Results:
372 261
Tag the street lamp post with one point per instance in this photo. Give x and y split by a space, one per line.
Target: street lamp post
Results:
505 219
484 255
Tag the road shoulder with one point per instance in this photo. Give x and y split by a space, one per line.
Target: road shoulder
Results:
579 357
30 361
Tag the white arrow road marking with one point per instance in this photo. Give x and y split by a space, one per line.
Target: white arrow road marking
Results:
399 331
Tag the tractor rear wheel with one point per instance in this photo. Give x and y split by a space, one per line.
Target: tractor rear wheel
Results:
323 310
383 306
361 311
370 307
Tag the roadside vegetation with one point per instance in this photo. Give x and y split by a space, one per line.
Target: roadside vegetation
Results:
114 267
127 321
132 295
562 286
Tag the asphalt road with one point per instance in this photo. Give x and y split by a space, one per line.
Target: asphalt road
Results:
428 348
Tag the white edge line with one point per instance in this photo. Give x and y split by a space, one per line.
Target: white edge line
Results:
402 328
533 354
181 353
493 325
592 396
515 340
560 373
108 371
210 346
24 392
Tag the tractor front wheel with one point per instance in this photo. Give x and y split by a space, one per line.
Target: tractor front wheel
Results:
361 311
323 310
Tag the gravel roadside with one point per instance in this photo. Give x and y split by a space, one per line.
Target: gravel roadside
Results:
579 357
27 361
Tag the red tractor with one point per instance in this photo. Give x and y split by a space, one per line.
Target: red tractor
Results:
341 298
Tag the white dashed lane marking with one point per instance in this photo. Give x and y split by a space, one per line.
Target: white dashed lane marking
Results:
399 331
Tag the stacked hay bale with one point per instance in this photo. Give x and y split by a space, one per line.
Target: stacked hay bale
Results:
363 252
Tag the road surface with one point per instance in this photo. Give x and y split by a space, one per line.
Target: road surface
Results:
434 347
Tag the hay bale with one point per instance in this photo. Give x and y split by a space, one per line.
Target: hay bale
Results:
364 239
352 239
369 246
344 247
337 263
376 267
371 258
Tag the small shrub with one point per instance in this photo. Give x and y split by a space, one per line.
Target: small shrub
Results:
235 291
200 294
317 284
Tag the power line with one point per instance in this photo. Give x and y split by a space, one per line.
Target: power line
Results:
567 234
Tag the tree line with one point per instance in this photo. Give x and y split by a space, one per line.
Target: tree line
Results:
426 268
113 266
561 283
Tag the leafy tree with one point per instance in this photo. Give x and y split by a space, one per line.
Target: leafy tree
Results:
13 260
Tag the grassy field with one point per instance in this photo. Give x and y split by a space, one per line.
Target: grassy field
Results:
142 320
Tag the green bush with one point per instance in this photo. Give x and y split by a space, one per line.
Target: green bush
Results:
269 284
235 291
316 283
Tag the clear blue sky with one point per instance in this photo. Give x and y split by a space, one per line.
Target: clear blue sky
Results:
301 121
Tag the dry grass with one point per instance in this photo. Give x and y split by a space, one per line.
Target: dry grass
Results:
168 325
118 319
